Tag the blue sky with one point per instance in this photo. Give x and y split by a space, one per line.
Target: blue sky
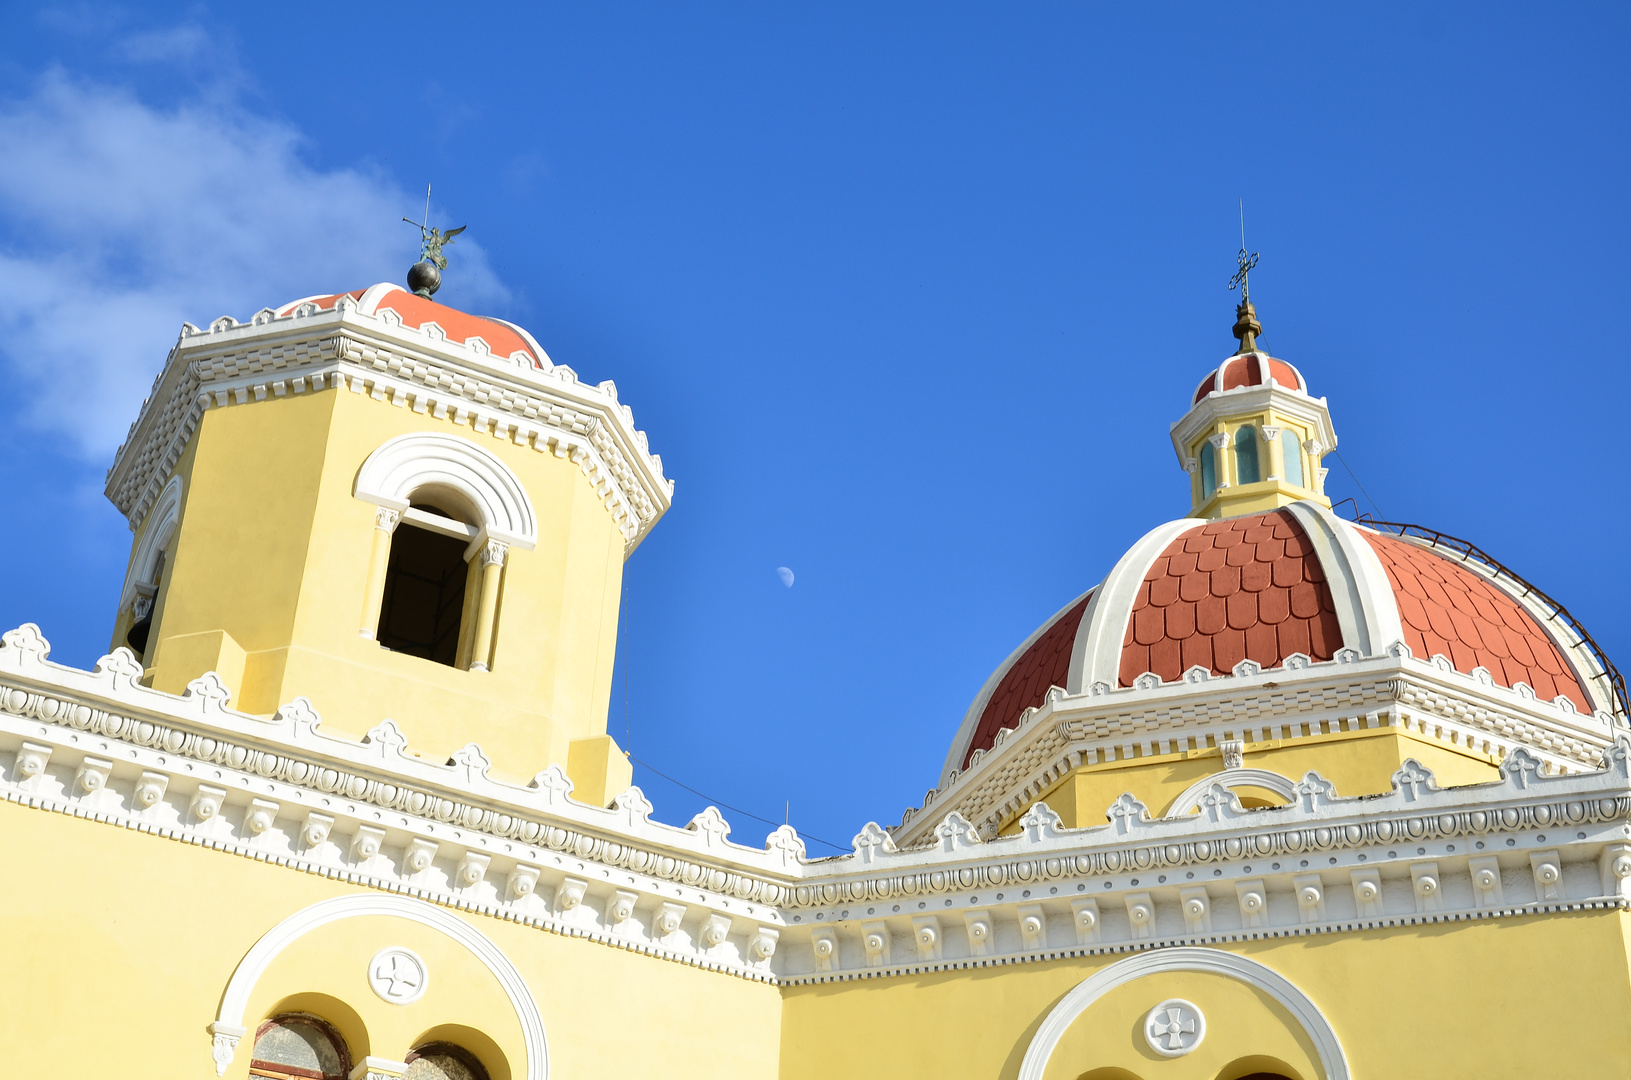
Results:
906 297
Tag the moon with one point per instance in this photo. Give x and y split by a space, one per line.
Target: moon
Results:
786 575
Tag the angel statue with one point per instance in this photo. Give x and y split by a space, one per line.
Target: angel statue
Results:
425 276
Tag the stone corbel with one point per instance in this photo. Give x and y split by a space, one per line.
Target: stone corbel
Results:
1548 870
472 869
1425 883
926 932
316 829
224 1044
1141 915
715 931
875 943
31 761
149 790
262 813
824 944
1310 897
1033 926
1085 916
205 804
1197 907
1486 881
981 932
521 882
668 919
93 776
420 854
366 844
1253 899
1367 886
1615 864
762 946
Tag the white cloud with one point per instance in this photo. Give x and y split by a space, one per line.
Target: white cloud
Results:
119 220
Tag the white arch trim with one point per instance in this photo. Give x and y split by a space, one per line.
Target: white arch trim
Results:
400 466
229 1022
1333 1062
1190 800
161 529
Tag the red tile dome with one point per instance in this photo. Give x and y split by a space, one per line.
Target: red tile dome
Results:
502 339
1265 587
1252 369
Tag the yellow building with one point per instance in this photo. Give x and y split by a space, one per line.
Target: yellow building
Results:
1283 795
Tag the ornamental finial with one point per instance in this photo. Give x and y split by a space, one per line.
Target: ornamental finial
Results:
1246 325
425 276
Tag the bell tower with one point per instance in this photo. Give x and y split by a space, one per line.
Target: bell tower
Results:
396 510
1253 437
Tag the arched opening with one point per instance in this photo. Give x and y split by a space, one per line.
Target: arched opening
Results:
1292 451
422 608
1246 471
147 598
299 1046
1209 470
444 1061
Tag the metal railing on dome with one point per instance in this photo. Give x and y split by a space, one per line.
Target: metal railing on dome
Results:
1468 550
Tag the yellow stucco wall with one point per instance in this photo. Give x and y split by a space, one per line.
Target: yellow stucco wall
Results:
1358 763
1402 1002
120 945
273 549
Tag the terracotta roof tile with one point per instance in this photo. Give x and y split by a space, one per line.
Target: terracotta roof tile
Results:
1257 590
1448 610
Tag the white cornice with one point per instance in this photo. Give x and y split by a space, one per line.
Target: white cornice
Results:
1348 693
1243 400
546 409
98 746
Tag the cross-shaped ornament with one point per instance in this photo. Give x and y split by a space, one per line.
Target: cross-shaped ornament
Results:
401 973
1247 264
1173 1026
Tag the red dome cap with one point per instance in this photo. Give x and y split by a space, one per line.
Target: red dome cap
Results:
501 338
1252 369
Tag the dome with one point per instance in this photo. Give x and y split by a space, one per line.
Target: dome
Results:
1264 588
1250 369
502 339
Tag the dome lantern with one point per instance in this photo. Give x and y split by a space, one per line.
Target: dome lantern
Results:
1253 437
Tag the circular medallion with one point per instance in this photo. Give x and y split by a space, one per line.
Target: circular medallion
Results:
398 975
1174 1028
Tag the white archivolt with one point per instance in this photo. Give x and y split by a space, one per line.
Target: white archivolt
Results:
229 1022
161 529
1233 779
429 460
1333 1062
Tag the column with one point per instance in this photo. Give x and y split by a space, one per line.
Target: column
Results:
379 560
493 553
1273 468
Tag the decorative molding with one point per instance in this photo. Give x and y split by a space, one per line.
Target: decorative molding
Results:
235 998
154 542
398 975
1333 1062
486 487
351 348
1174 1028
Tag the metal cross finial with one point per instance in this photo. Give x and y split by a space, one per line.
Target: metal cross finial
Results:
1247 264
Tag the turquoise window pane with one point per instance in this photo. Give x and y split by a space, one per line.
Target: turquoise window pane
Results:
1246 456
1293 453
1209 470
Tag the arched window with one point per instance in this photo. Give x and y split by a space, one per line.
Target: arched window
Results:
297 1046
1292 451
459 493
1246 456
443 1061
422 608
1209 470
